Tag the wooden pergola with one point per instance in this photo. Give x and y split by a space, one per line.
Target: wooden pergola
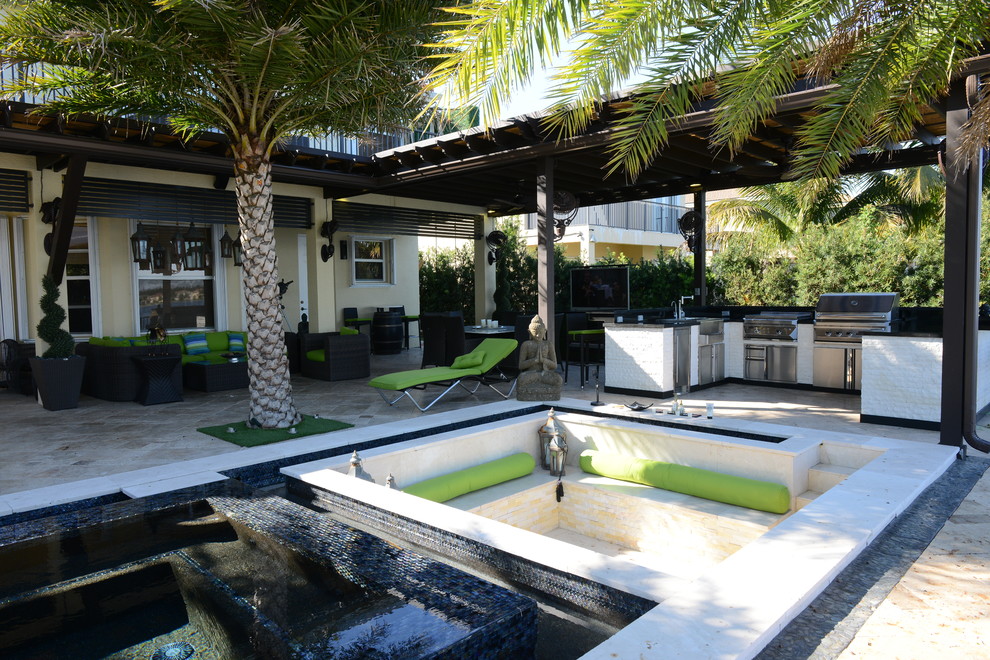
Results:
517 165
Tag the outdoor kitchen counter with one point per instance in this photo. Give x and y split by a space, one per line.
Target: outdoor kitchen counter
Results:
902 377
640 357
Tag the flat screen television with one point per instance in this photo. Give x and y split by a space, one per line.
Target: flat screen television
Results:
599 288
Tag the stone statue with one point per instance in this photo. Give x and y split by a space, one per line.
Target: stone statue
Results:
538 377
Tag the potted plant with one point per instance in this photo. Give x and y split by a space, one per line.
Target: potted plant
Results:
58 373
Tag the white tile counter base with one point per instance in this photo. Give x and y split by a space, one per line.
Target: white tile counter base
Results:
902 376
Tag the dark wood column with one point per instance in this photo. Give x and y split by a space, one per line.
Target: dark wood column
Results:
66 218
544 244
960 323
700 254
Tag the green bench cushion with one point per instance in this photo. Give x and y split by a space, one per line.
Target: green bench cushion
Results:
448 486
403 380
740 491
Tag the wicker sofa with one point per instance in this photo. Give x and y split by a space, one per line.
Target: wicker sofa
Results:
110 373
335 356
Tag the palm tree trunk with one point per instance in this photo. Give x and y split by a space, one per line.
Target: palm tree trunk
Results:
268 364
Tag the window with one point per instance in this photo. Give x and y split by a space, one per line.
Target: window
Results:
178 298
79 286
372 261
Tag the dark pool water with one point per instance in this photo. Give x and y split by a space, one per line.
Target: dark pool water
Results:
241 578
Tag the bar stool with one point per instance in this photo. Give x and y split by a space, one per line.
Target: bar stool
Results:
351 319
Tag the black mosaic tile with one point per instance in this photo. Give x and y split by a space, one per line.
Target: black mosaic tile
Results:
570 592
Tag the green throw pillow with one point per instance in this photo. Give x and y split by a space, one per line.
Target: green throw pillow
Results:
349 331
469 361
216 341
236 342
195 343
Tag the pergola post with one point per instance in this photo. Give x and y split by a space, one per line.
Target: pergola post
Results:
66 218
960 322
700 251
544 243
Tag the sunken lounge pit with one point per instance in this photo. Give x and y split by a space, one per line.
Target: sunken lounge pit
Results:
659 568
612 569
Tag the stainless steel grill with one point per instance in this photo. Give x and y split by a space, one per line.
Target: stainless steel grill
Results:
774 326
844 317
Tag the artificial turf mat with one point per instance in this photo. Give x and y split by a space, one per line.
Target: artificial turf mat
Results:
249 437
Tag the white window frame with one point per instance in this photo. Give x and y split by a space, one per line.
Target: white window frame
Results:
7 279
387 261
94 281
219 283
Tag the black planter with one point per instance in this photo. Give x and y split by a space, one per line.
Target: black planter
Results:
59 381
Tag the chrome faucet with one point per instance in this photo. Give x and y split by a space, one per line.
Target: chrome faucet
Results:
678 313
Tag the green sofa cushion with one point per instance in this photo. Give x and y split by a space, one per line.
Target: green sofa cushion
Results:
217 342
97 341
740 491
116 341
448 486
317 355
402 380
349 331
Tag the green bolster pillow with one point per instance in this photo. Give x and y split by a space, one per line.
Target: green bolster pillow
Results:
448 486
750 493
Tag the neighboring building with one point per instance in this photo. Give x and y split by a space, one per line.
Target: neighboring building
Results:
639 230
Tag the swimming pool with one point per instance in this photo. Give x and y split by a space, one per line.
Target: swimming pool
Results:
730 607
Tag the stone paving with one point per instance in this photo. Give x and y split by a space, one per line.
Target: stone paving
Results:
925 601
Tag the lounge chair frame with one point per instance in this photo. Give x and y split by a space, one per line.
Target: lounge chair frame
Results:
477 377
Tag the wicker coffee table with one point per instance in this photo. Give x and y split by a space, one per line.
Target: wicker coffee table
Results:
214 377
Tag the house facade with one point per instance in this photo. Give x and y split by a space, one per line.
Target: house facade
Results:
108 292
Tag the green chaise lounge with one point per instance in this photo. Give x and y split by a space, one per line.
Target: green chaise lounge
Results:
477 368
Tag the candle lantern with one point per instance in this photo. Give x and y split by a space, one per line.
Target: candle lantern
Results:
553 446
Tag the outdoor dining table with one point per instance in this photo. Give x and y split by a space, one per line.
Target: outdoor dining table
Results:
481 332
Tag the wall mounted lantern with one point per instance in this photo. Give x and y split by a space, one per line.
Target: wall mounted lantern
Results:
553 446
238 251
196 248
226 246
140 245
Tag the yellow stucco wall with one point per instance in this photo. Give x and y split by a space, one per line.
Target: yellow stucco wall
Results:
328 289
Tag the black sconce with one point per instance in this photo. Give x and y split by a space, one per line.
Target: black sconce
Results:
495 241
327 230
238 251
226 246
140 245
231 248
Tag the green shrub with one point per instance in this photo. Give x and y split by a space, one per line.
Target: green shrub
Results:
60 342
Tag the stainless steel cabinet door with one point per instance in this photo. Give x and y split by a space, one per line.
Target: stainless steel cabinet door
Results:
705 374
755 367
782 364
830 367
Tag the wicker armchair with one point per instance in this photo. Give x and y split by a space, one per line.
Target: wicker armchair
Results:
112 375
344 356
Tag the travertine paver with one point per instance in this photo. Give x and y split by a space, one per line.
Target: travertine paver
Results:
941 607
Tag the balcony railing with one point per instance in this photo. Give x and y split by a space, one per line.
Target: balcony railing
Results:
646 215
364 146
